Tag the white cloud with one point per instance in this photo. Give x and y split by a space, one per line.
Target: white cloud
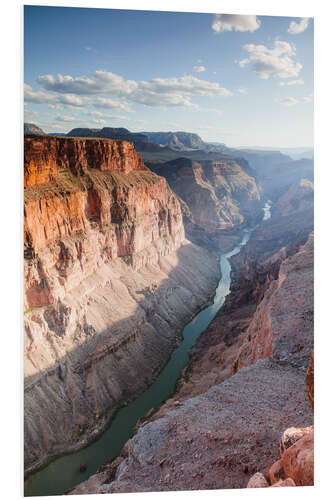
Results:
199 69
292 101
65 118
307 99
42 97
103 82
105 103
228 22
39 97
165 92
242 90
73 100
94 113
30 115
292 82
99 121
277 61
297 28
288 101
244 62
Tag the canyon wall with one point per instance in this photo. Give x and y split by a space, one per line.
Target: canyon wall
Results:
110 280
218 198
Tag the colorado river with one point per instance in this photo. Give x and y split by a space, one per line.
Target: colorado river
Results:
63 473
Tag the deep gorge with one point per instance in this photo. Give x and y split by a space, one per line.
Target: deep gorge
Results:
116 263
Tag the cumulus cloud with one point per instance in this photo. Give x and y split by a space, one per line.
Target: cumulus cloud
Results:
242 90
166 92
105 103
102 82
292 82
277 61
229 22
297 28
39 97
42 97
199 69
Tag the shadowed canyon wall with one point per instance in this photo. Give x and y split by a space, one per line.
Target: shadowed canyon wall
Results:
109 282
218 198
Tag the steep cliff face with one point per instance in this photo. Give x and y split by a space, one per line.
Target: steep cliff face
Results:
109 281
282 326
218 197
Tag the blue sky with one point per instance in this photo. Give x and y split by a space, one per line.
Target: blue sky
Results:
242 80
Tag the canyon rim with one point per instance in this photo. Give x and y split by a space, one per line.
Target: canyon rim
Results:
168 251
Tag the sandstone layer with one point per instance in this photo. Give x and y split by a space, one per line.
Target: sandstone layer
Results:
110 280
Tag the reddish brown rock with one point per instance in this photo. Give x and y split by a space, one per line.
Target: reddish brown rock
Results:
298 461
282 326
310 381
46 156
293 434
276 472
258 480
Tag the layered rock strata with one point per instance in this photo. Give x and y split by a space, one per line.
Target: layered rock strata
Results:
218 198
109 282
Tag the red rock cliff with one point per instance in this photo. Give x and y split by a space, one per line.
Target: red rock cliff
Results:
109 281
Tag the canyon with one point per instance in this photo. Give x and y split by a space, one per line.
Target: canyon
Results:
249 383
121 251
110 280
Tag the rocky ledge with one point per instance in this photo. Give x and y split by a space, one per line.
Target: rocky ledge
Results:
110 280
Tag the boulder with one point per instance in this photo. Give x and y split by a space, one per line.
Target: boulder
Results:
258 480
298 461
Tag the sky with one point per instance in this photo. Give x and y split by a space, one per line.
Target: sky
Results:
241 80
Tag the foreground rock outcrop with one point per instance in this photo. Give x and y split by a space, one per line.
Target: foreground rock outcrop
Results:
109 282
296 464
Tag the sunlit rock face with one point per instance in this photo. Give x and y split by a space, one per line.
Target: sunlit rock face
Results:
218 197
109 282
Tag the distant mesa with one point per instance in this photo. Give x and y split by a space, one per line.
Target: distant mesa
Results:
184 141
140 141
32 129
179 141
